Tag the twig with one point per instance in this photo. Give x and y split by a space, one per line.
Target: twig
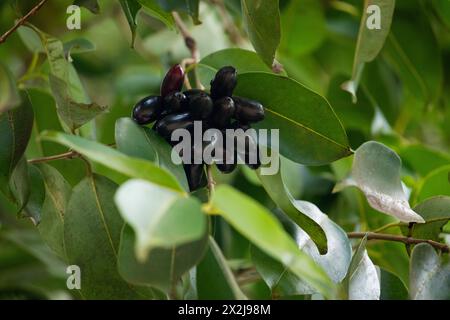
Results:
211 183
406 240
63 156
230 27
68 155
190 43
22 20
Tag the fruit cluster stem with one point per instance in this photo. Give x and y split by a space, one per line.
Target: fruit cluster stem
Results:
22 20
191 44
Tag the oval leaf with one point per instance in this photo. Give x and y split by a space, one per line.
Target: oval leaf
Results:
310 132
262 20
264 231
160 217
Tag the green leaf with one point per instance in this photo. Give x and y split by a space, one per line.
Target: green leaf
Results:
423 159
376 172
262 20
77 46
15 131
131 9
335 262
392 288
46 118
9 95
91 5
434 184
370 40
155 10
265 232
73 104
214 279
92 229
436 213
19 186
144 143
404 51
243 60
297 21
57 195
159 217
113 159
163 267
274 186
357 116
33 209
310 132
191 7
30 39
429 277
362 280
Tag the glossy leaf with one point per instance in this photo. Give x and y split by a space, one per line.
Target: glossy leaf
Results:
265 232
15 131
33 208
362 282
310 132
262 20
191 7
162 267
376 172
371 38
215 280
429 277
9 95
274 186
115 160
92 229
159 217
144 143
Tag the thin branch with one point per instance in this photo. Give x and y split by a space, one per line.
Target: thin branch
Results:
406 240
68 155
190 43
22 20
63 156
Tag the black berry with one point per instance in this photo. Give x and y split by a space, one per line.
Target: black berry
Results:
195 175
174 102
147 110
170 123
200 105
228 163
223 112
173 81
224 83
248 111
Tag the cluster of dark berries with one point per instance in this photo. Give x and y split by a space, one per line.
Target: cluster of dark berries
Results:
221 110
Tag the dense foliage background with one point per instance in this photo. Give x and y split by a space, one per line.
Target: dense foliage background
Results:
364 187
